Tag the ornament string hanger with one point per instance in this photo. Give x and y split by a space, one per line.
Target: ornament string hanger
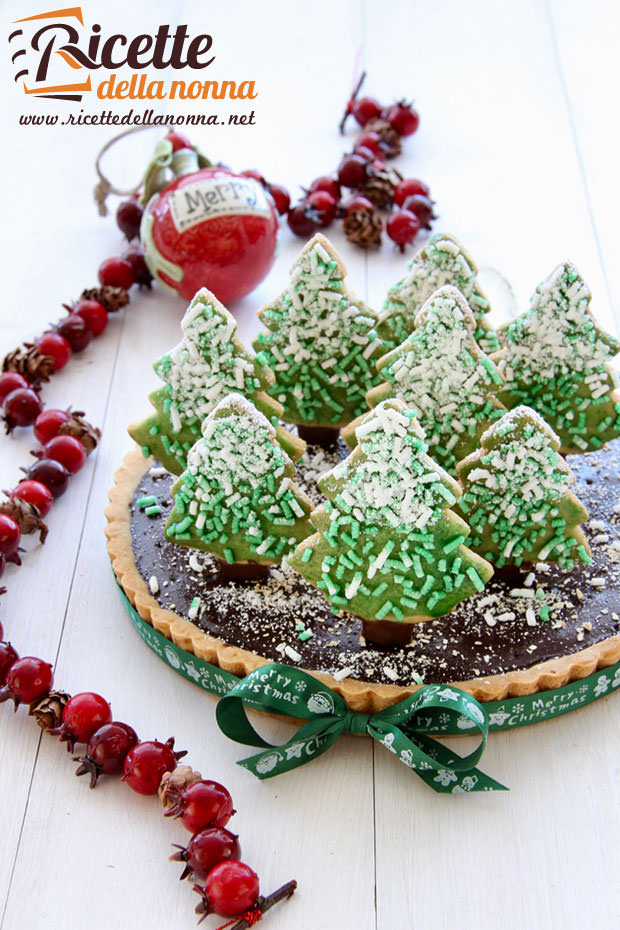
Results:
104 186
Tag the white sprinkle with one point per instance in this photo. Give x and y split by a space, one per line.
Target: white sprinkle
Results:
293 655
598 582
194 564
342 673
530 616
153 584
601 538
529 581
508 615
157 471
390 672
522 592
192 613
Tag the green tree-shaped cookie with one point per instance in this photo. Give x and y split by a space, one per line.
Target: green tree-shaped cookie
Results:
556 360
441 261
318 341
441 372
516 495
387 545
208 363
236 497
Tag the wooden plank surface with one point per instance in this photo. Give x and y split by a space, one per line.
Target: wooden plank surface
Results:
518 147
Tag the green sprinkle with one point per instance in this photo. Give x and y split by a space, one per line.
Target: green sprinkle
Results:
146 501
305 635
475 578
544 612
153 511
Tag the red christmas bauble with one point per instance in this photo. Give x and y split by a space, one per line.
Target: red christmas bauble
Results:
212 229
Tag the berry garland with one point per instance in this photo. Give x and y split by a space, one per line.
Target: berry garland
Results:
228 886
374 187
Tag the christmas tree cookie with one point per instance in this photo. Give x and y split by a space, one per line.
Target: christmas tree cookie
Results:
209 363
556 360
318 341
441 372
516 495
236 498
387 546
441 261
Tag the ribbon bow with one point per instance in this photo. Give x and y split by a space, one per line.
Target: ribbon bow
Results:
289 692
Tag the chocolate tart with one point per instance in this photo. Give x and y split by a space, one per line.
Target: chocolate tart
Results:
538 630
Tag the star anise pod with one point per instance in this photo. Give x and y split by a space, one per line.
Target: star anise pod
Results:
26 360
77 426
112 298
26 515
47 710
172 783
379 187
363 226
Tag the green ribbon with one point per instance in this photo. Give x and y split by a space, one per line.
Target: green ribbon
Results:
289 692
435 713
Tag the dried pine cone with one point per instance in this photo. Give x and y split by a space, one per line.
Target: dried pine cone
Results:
380 188
26 515
363 227
112 298
174 782
77 426
47 710
391 143
29 362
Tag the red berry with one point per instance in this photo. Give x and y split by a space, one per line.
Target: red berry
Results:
76 331
256 175
179 141
422 207
407 187
10 535
52 474
106 751
129 217
322 207
145 764
26 680
84 713
56 346
352 170
403 118
230 889
203 804
370 141
67 450
281 198
136 259
94 315
402 227
206 849
21 408
300 221
365 108
48 423
116 272
326 183
35 493
359 203
11 381
7 657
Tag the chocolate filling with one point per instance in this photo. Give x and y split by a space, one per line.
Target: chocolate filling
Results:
513 624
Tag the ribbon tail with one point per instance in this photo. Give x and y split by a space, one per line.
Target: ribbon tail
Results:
445 777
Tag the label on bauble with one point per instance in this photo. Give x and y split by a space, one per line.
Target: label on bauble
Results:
219 196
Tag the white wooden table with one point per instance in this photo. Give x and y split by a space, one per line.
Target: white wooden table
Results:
519 142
